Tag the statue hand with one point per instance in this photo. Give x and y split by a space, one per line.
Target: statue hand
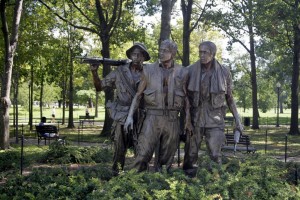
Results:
239 126
128 124
94 67
189 128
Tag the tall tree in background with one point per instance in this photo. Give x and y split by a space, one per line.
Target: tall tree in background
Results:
166 10
284 38
238 22
102 19
187 11
295 7
10 41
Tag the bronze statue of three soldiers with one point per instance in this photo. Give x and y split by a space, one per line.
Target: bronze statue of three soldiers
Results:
149 100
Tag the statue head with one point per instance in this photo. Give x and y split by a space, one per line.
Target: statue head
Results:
167 50
141 48
207 51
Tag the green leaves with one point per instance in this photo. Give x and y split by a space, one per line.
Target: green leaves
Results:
251 177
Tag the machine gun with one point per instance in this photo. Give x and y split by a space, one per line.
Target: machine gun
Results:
98 61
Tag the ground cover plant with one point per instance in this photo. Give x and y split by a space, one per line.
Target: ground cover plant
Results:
72 172
81 169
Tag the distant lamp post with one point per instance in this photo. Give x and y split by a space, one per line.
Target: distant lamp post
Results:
278 85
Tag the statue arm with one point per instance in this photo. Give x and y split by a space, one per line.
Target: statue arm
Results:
187 108
109 81
96 78
135 104
137 98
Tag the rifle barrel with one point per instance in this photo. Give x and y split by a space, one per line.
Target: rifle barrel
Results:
108 61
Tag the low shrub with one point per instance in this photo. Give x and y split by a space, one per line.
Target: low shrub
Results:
10 160
252 177
64 154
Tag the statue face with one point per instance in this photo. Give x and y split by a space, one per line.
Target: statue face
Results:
165 54
205 54
137 56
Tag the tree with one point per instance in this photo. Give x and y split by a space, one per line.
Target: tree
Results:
284 33
101 18
241 80
10 41
187 11
165 28
238 22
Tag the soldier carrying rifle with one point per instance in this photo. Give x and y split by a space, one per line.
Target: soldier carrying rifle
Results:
125 80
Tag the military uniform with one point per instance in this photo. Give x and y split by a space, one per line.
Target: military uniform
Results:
124 80
206 91
164 96
119 110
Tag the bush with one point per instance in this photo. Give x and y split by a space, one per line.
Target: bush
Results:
10 160
64 154
253 177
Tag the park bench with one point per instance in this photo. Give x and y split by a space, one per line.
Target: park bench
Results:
244 143
86 118
46 132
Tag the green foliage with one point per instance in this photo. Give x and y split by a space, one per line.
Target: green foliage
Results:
63 154
252 177
52 183
9 160
83 96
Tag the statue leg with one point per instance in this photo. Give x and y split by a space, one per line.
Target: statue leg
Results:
147 143
191 149
215 138
169 140
119 149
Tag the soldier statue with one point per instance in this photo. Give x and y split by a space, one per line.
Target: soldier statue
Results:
210 92
125 80
163 88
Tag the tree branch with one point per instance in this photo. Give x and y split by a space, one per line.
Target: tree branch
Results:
67 21
200 17
236 40
242 12
116 19
83 14
102 19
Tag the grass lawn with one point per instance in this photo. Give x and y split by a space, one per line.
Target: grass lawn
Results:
268 139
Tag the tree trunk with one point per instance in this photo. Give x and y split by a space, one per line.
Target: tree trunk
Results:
41 96
186 15
255 124
255 113
10 48
16 92
71 91
295 81
165 29
64 90
30 98
71 87
108 93
96 105
281 106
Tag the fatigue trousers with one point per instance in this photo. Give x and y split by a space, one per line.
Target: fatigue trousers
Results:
122 142
214 138
162 130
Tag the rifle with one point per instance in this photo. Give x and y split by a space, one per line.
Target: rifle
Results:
95 60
